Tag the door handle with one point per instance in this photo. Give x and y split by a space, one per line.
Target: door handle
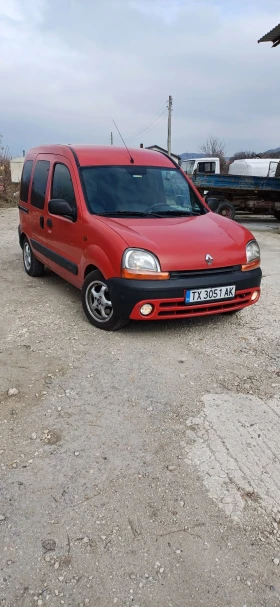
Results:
42 222
49 223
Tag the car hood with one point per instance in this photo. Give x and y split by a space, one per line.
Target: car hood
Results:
181 243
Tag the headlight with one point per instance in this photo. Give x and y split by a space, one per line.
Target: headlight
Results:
139 264
252 251
138 259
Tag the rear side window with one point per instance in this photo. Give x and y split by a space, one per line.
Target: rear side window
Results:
62 186
206 167
25 180
39 184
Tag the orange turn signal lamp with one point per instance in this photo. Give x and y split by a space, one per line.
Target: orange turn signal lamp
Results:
144 275
252 265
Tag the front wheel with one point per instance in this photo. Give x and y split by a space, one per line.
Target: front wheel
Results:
276 215
97 304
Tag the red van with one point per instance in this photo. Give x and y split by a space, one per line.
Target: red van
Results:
131 231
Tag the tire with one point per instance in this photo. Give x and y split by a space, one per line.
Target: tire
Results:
97 304
226 209
276 215
32 265
212 203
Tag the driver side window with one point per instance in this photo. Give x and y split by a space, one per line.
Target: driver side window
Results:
62 185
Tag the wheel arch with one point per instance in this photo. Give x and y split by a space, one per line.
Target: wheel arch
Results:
95 258
22 237
88 269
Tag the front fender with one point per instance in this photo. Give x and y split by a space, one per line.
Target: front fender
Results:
109 265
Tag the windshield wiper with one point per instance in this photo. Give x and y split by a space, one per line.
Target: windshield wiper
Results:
128 214
171 213
179 213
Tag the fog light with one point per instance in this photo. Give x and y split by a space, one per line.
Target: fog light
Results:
146 309
254 296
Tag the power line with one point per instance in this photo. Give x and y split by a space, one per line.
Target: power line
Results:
151 127
159 114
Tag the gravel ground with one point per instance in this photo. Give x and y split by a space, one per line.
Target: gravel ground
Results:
138 468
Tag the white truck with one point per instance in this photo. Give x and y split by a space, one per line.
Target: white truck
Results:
206 166
253 167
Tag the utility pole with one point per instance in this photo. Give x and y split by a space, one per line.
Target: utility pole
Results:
170 102
112 141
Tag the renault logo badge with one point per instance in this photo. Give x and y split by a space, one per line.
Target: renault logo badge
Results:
208 259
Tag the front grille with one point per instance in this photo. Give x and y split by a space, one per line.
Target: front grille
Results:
173 308
209 271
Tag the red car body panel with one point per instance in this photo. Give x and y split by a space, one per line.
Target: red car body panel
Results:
180 243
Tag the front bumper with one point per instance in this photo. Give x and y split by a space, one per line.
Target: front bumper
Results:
168 297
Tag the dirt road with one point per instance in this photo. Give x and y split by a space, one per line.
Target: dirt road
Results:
138 468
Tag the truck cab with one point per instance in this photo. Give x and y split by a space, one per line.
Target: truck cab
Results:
207 166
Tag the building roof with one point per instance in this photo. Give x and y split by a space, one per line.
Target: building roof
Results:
157 147
95 155
272 36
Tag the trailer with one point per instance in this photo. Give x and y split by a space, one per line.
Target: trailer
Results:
255 167
225 194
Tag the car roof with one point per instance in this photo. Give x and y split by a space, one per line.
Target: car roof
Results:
91 155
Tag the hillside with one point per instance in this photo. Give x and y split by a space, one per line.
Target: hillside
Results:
274 151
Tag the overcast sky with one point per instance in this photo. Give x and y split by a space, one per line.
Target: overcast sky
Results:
67 67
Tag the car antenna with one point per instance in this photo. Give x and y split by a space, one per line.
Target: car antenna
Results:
131 159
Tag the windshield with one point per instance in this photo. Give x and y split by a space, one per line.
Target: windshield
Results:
188 166
139 191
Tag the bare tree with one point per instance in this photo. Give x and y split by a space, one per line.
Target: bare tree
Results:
7 189
215 147
241 155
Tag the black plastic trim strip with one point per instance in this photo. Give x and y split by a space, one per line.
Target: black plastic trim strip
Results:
23 209
169 158
75 156
55 257
209 271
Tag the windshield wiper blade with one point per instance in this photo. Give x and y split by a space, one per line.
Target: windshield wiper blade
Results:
181 213
128 214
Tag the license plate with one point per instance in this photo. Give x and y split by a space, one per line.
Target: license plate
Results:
200 295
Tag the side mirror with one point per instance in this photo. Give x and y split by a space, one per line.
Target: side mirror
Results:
58 206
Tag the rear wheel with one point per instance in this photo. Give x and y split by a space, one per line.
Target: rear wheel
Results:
226 209
97 304
32 265
276 215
